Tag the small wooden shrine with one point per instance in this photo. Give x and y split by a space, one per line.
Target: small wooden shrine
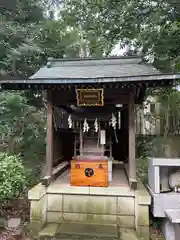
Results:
91 114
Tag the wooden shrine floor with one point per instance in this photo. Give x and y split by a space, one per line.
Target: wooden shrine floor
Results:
118 187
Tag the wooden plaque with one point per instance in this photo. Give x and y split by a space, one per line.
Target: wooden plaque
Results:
90 97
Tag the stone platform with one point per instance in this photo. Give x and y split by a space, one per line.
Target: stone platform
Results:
81 231
116 205
117 187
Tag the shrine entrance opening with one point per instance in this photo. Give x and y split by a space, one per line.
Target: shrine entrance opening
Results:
96 124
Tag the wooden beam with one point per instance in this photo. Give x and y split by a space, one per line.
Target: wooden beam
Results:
110 100
49 143
56 172
111 96
132 146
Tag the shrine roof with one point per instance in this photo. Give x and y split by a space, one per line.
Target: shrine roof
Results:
83 68
119 70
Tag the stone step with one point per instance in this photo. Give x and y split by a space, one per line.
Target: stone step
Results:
89 231
79 237
127 234
49 230
85 231
72 230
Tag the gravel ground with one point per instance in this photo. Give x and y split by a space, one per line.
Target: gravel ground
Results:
156 234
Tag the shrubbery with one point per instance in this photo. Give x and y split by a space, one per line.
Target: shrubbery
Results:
12 176
144 149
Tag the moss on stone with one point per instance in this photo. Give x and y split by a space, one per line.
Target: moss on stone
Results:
143 215
35 214
34 227
85 229
143 232
90 217
126 221
49 230
128 234
37 192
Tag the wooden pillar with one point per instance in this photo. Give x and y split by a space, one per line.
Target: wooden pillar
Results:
132 143
49 143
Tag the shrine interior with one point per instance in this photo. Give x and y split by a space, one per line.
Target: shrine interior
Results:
65 137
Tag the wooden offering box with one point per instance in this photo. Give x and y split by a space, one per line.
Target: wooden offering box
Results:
89 171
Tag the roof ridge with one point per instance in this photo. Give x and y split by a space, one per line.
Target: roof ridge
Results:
91 58
94 61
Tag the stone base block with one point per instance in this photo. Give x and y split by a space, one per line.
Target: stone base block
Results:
143 232
54 217
35 227
90 218
90 204
54 203
142 215
127 234
126 206
142 203
126 222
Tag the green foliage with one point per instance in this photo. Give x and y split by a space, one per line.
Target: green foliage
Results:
142 169
22 126
167 111
144 149
12 176
28 38
152 26
22 10
142 146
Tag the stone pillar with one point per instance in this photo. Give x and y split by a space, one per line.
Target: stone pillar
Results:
142 203
38 205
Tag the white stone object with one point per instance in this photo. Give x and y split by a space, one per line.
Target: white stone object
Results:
154 165
168 230
171 231
173 215
163 201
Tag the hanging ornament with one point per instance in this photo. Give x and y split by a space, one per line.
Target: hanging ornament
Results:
70 123
113 121
96 125
85 126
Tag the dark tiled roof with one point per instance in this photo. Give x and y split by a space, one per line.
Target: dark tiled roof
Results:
119 70
94 69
